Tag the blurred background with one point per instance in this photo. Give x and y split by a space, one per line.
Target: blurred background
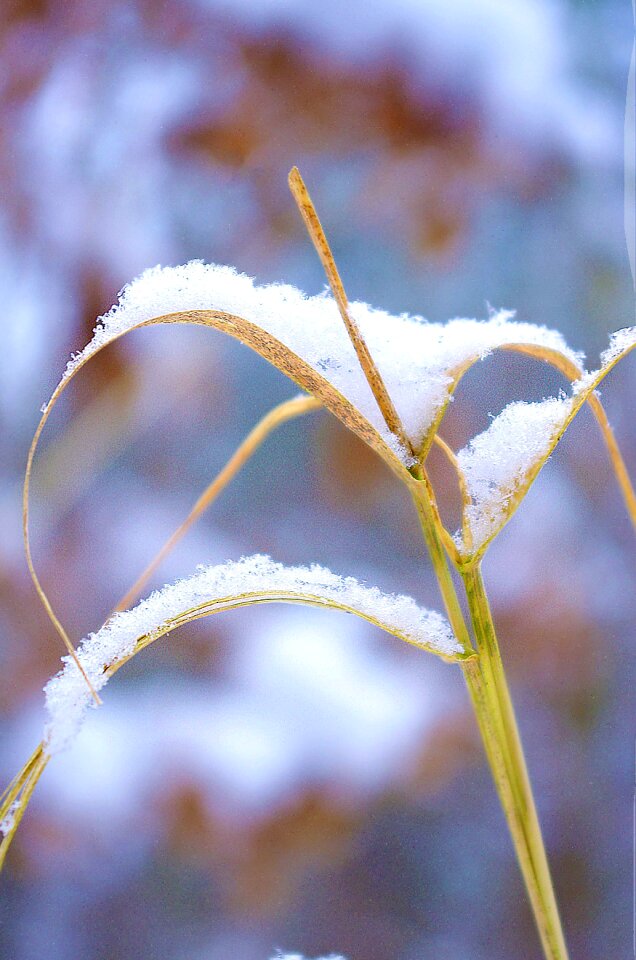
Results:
286 778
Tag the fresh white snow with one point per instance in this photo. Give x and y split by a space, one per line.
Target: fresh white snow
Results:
416 358
497 462
68 697
620 341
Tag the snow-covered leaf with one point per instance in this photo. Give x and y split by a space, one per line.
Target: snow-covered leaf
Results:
500 464
250 580
305 338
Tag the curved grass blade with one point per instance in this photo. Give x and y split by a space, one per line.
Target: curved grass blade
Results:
285 411
374 378
465 500
573 372
550 355
250 581
263 343
553 417
270 348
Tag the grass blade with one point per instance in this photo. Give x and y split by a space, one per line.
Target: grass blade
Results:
371 372
288 410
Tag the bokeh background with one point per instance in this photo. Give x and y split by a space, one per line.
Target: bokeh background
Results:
294 779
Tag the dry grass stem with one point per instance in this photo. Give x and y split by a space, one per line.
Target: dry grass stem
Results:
29 559
288 410
371 372
463 489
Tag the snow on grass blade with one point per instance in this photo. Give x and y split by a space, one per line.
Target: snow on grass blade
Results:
496 463
305 338
501 333
500 464
213 589
570 365
248 581
126 317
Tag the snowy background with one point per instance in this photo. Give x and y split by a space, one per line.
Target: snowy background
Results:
284 777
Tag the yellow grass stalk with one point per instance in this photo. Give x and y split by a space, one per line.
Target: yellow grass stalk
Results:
475 649
321 244
497 726
285 411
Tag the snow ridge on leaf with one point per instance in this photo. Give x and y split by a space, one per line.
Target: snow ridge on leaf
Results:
416 358
251 580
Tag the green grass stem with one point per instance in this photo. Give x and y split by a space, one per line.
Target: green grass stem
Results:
497 722
490 698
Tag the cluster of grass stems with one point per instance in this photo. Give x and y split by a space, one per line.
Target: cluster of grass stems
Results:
458 573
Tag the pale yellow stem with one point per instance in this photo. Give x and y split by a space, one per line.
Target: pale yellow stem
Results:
374 379
295 407
16 797
616 457
432 530
29 559
467 537
497 722
497 725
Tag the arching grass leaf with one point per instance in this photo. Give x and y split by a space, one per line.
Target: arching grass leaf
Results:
252 580
501 463
569 364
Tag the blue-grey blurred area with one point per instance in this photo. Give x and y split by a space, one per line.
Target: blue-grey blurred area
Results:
280 778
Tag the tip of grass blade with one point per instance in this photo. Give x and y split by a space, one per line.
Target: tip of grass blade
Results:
319 239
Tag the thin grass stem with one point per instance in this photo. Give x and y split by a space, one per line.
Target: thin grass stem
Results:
285 411
16 797
29 559
616 457
495 715
467 537
318 237
432 528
